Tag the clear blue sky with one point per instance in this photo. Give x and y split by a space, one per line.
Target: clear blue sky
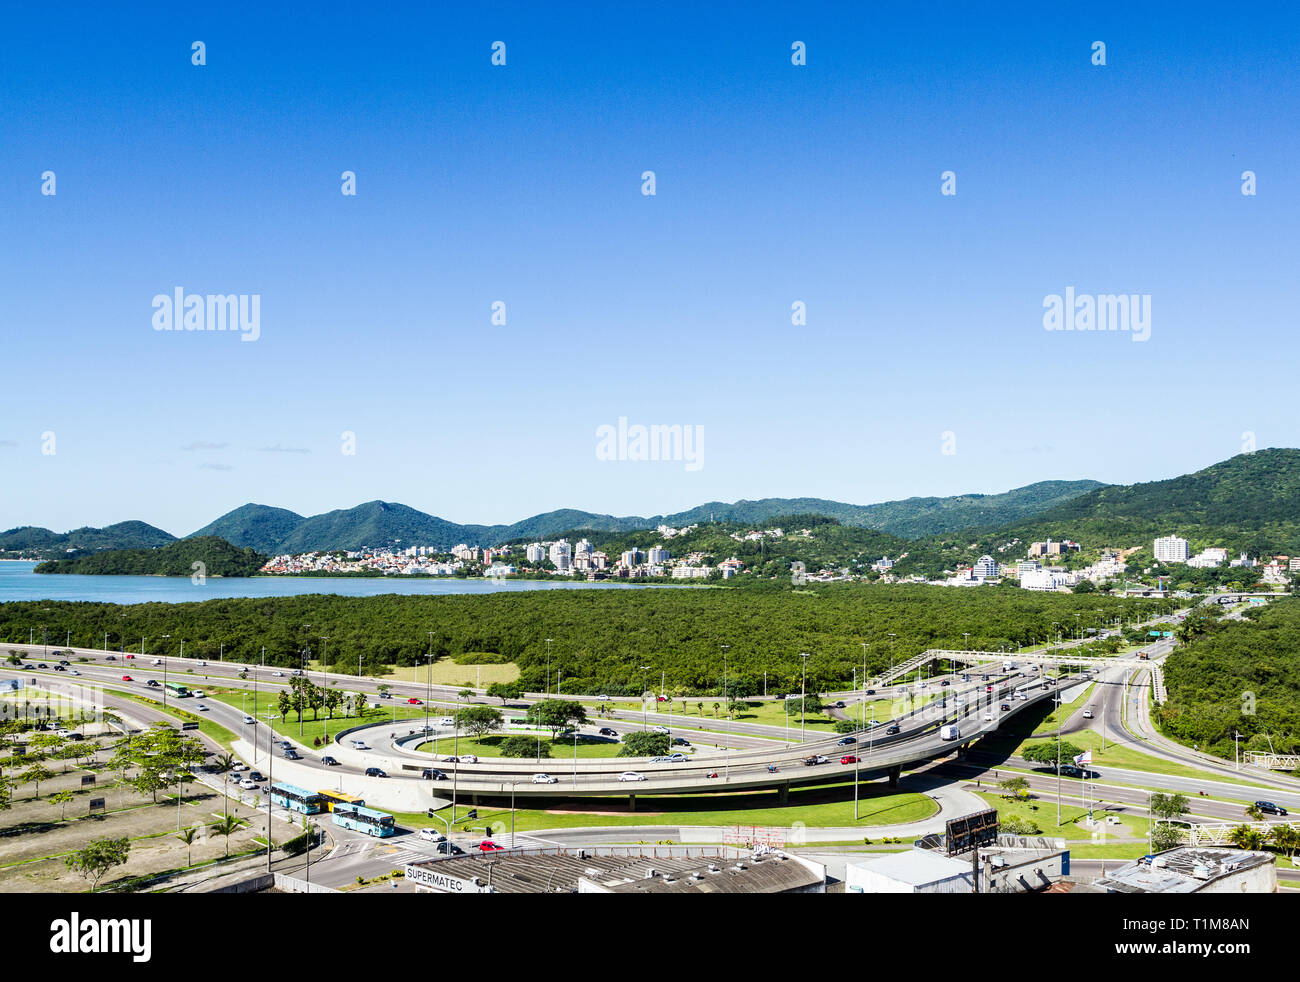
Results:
522 183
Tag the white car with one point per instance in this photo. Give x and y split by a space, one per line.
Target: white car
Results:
446 721
247 785
631 776
603 698
988 717
543 779
432 835
660 729
249 719
156 661
359 745
73 671
1087 714
278 675
64 733
199 694
201 708
873 722
468 759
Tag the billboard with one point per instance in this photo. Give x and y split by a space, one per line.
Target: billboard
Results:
969 831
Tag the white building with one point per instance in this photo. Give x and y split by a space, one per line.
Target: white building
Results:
583 548
1045 579
985 568
535 552
1028 566
657 556
561 555
1171 549
633 557
917 871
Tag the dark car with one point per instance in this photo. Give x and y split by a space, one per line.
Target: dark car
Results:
433 774
891 730
846 741
110 658
153 683
681 742
292 754
946 682
329 762
42 665
59 668
375 772
256 776
1268 808
450 849
839 704
606 731
871 692
1006 708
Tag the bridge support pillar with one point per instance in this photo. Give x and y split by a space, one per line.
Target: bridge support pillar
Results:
894 774
783 794
961 751
631 802
474 798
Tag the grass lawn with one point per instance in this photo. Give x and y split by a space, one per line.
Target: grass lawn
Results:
445 672
1126 757
1063 712
264 702
207 727
1042 812
561 750
814 807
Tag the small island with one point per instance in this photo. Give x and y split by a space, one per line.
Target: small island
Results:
206 555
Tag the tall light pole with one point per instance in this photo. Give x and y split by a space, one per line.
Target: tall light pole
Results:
548 666
726 750
891 652
803 698
324 686
645 719
865 646
428 687
164 638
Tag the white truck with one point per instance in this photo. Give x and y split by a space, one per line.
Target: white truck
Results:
949 731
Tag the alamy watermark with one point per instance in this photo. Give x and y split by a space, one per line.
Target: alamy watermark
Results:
655 442
1099 312
181 311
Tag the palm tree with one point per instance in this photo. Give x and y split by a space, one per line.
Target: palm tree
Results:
716 707
1244 837
699 707
227 827
188 836
1254 814
1286 837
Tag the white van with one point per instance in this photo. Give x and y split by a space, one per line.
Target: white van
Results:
1008 666
949 732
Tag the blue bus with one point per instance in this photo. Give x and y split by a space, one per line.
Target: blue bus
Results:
296 799
366 820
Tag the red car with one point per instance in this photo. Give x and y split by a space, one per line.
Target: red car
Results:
850 759
130 656
415 702
127 678
487 845
661 699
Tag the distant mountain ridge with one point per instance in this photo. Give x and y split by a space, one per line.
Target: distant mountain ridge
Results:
382 523
271 530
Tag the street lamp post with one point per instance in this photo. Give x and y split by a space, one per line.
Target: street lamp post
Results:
803 698
726 752
324 685
163 638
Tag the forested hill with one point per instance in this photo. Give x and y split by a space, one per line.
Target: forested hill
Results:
378 524
1238 676
1249 503
217 556
124 535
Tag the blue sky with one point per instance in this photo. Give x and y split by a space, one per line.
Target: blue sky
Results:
522 183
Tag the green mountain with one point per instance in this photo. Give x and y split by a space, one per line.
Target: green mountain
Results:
1249 503
382 523
178 558
910 518
124 535
259 527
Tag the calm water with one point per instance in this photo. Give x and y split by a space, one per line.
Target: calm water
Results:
18 582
